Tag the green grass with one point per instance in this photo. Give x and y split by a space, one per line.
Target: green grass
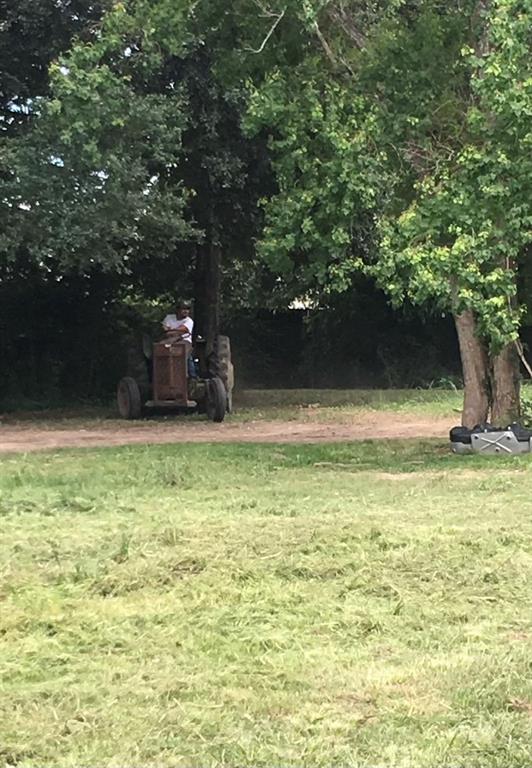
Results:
321 405
334 398
262 404
343 405
352 604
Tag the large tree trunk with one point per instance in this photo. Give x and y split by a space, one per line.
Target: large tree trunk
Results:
475 369
505 387
207 289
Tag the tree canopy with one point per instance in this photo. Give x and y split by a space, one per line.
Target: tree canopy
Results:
307 142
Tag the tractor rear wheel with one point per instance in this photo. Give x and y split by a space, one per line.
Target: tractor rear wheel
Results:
216 399
225 369
128 398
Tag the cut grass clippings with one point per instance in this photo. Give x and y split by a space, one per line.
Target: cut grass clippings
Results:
359 604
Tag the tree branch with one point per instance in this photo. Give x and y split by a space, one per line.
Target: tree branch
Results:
521 352
341 17
325 45
270 33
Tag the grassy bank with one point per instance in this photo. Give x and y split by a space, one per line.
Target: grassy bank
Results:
262 404
359 605
277 404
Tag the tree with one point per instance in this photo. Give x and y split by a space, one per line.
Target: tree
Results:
397 132
460 240
403 150
32 34
137 164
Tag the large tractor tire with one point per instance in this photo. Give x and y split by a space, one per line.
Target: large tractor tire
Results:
129 399
225 369
216 399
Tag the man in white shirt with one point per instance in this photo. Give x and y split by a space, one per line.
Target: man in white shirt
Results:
179 327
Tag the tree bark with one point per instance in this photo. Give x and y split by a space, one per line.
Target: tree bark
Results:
207 289
475 369
505 387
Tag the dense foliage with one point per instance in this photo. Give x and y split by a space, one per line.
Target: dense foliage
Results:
410 159
388 138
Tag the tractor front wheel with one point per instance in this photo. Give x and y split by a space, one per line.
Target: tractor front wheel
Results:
216 399
128 398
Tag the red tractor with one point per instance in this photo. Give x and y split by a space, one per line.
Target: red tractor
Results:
171 385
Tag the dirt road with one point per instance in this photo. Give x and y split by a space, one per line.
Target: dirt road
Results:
24 437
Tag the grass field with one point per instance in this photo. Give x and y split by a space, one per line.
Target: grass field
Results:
353 604
334 405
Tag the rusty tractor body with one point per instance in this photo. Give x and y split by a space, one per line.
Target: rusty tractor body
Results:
172 385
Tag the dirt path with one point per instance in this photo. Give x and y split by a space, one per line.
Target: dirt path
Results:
376 425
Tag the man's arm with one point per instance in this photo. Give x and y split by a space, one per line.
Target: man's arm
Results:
180 331
166 324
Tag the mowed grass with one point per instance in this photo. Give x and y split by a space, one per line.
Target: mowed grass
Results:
344 405
299 405
361 604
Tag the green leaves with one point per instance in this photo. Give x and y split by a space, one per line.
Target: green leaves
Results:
90 183
398 134
329 182
412 162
